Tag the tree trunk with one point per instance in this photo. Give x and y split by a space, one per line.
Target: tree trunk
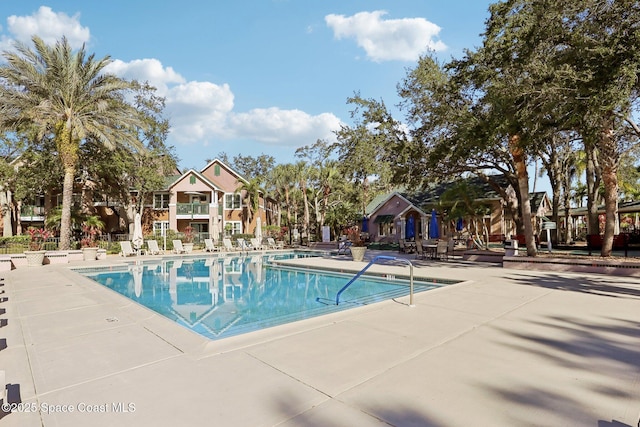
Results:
555 207
68 148
609 160
67 202
306 214
18 215
523 184
567 215
593 182
6 206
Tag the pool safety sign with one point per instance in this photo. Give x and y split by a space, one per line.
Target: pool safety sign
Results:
549 225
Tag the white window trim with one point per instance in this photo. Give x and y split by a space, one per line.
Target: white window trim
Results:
234 195
168 197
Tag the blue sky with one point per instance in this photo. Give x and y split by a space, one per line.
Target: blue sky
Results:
254 77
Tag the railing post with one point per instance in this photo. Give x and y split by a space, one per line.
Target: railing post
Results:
369 265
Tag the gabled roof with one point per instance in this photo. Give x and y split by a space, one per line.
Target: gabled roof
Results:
226 166
537 199
382 199
431 196
199 175
170 180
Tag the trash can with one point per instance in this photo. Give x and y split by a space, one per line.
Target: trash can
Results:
510 247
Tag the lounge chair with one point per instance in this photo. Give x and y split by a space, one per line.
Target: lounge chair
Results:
227 245
243 245
126 249
178 248
152 246
209 246
271 244
256 243
344 246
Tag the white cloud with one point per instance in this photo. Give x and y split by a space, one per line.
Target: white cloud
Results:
386 40
150 70
293 128
199 112
202 112
50 26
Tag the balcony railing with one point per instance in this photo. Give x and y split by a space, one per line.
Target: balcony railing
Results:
192 209
30 210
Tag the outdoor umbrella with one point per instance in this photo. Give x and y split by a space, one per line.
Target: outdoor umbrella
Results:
215 232
434 232
459 225
137 239
365 224
411 230
137 271
259 228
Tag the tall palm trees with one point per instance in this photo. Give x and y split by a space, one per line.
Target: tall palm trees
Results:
66 94
251 190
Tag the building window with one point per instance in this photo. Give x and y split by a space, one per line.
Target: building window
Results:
232 201
161 201
216 170
385 229
160 228
232 227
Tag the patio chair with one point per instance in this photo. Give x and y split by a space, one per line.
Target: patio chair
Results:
152 246
209 246
451 244
419 250
178 248
442 251
126 249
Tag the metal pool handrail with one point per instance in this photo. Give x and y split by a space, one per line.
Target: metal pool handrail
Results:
386 257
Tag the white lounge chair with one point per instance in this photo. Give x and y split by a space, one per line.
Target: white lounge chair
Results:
227 245
244 246
126 249
178 248
209 246
271 244
256 243
152 246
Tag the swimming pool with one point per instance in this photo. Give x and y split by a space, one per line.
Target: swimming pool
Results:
226 296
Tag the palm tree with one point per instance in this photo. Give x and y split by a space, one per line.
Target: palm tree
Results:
329 175
302 174
282 177
67 95
251 190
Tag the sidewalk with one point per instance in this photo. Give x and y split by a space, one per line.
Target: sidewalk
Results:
502 348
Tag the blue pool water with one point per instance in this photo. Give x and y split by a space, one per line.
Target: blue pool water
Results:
226 296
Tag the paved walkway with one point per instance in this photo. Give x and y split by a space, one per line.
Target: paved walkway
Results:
503 348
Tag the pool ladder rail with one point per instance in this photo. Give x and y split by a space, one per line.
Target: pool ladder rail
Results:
381 257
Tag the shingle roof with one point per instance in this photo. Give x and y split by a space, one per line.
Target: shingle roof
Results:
430 196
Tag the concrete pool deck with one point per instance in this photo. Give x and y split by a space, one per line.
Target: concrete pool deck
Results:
502 348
